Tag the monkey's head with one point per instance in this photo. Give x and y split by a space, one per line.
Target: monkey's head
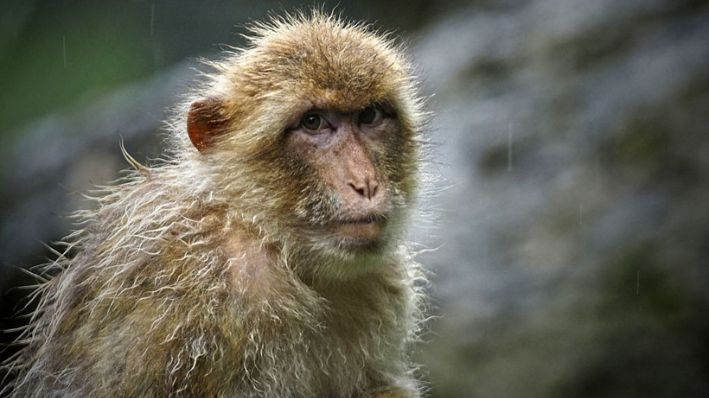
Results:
311 133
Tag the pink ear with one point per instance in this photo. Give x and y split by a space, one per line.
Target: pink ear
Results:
205 121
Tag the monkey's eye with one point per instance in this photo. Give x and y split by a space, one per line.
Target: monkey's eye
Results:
313 122
372 114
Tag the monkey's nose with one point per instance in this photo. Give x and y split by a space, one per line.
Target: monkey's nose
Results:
366 188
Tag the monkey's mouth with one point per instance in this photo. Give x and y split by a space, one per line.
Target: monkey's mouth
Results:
361 230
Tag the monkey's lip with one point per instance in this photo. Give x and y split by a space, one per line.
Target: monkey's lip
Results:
362 229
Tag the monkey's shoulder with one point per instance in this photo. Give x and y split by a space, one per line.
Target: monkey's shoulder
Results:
254 274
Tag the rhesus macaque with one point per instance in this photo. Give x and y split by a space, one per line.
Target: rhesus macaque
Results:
264 257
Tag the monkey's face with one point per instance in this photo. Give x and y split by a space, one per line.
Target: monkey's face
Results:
339 161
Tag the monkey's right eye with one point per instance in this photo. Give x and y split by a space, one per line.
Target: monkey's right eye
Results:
313 122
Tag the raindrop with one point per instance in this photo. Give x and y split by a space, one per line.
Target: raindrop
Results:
509 147
64 49
152 19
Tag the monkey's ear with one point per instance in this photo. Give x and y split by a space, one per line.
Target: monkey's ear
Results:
205 121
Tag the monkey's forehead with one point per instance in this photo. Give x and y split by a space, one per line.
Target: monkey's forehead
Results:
341 65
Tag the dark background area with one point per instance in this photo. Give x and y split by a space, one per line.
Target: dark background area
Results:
569 209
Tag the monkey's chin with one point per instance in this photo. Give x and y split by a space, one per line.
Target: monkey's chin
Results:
358 235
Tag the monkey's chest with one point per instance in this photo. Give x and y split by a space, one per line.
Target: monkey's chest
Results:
340 359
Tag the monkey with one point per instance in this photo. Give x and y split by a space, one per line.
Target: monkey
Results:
265 254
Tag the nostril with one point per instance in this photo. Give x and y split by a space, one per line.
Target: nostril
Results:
366 190
373 190
360 191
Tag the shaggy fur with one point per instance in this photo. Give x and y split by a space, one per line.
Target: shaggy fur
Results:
202 275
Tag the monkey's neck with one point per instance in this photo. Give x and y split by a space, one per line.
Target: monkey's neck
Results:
264 262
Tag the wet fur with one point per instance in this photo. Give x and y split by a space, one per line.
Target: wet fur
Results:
199 276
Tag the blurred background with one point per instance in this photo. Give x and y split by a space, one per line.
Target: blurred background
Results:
570 215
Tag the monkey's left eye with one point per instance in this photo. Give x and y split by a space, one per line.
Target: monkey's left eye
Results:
313 122
372 114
